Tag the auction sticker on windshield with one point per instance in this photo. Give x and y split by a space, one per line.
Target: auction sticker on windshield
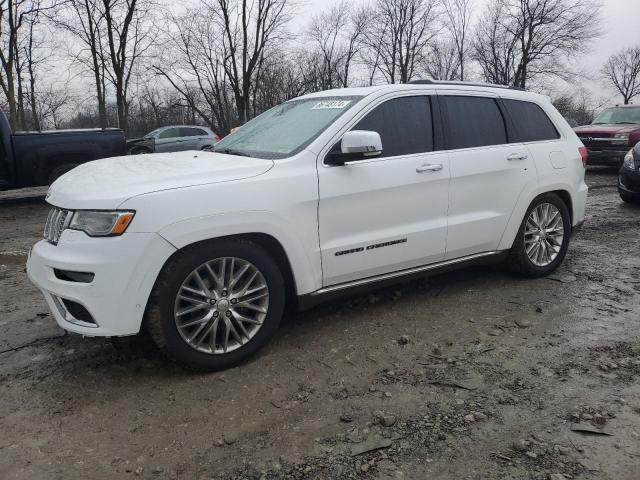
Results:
331 104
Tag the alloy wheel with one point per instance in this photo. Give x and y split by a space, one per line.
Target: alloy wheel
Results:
221 305
544 234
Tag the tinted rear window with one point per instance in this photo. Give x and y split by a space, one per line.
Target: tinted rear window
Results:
404 124
193 132
474 122
532 123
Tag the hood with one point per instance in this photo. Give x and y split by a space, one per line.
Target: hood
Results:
106 183
607 128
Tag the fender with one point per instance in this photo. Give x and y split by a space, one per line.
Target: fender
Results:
304 260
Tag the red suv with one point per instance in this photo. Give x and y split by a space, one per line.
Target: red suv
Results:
611 135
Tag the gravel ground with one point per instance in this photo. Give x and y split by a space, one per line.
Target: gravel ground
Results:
470 375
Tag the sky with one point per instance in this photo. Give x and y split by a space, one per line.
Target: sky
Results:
620 25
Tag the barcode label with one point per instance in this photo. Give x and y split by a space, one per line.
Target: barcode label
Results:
331 104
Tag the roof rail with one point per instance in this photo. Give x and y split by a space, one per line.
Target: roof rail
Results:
469 84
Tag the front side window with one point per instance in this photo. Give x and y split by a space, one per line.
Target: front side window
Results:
405 125
619 115
474 122
286 129
532 124
170 133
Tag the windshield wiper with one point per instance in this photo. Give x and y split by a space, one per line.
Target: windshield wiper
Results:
626 123
231 151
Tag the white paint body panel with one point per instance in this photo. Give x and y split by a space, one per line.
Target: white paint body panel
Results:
474 204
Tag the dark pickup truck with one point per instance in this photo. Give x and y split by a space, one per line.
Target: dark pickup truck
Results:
29 159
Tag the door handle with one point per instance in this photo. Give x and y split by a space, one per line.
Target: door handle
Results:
517 156
430 167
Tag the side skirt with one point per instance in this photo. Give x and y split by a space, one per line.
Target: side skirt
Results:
347 289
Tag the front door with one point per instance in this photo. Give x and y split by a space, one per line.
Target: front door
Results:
169 140
388 213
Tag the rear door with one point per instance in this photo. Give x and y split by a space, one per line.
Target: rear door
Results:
488 173
536 130
388 213
192 138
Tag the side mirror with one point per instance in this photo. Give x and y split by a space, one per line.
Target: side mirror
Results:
356 145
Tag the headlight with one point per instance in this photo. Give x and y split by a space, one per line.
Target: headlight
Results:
629 161
101 224
621 138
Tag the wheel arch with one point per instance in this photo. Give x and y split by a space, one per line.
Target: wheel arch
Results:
269 243
509 235
566 198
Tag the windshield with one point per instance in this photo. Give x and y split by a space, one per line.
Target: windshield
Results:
286 129
619 115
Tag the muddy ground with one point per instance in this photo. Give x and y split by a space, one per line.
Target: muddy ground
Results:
470 375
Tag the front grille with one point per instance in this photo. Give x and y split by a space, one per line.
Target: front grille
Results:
57 221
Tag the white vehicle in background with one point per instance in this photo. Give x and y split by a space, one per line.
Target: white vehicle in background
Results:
321 196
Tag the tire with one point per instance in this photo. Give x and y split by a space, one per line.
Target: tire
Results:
164 310
59 171
519 260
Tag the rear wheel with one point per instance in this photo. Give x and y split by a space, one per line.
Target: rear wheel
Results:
543 238
216 304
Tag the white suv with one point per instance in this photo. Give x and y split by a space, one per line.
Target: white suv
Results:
324 194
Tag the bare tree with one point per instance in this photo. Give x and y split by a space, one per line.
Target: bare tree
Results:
193 65
17 20
337 36
622 72
218 52
518 40
114 36
248 28
398 34
83 19
50 105
458 21
579 105
494 47
128 28
442 61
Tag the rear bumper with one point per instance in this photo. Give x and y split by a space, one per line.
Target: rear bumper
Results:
124 271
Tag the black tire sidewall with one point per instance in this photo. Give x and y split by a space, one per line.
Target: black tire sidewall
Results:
175 273
527 267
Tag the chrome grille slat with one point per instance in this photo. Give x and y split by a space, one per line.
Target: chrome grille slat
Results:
57 221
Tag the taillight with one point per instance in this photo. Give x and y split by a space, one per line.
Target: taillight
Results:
584 154
216 138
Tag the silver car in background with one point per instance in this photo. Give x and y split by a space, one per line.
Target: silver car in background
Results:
174 138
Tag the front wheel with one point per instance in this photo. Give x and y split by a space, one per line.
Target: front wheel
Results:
543 238
216 304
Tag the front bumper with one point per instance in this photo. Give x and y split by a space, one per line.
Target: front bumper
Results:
629 182
125 269
606 156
